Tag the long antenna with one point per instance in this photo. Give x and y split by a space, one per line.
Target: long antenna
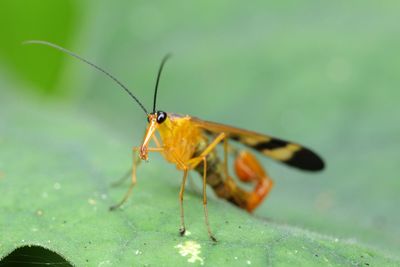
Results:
166 57
91 64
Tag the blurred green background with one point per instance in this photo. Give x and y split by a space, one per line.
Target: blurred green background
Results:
324 74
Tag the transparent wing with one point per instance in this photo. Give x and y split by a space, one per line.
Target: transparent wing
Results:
286 152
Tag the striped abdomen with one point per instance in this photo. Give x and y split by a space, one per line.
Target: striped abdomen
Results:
223 187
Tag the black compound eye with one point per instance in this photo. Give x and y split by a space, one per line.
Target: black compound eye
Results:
161 116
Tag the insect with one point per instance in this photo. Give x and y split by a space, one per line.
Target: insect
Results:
190 143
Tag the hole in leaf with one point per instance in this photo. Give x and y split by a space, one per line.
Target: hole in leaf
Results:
34 256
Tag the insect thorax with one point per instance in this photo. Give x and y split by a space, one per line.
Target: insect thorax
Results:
180 139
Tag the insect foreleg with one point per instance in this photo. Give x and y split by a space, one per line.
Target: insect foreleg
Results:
127 174
138 160
122 179
133 177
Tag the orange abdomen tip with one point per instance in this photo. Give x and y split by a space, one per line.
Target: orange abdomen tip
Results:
248 168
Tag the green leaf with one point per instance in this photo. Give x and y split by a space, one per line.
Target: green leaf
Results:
56 166
324 75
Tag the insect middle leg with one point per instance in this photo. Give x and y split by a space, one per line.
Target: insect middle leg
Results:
182 228
193 162
133 179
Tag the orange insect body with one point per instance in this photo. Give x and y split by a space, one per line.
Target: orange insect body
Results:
190 144
182 139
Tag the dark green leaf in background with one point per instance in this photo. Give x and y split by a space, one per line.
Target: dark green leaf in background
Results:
21 20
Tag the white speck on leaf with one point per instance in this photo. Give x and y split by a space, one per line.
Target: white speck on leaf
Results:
248 262
104 263
192 250
187 233
57 186
91 201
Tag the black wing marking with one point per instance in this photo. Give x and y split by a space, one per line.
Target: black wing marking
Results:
286 152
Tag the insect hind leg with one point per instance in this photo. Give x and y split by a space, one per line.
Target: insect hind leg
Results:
249 170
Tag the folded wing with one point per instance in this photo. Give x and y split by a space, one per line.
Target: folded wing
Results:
286 152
